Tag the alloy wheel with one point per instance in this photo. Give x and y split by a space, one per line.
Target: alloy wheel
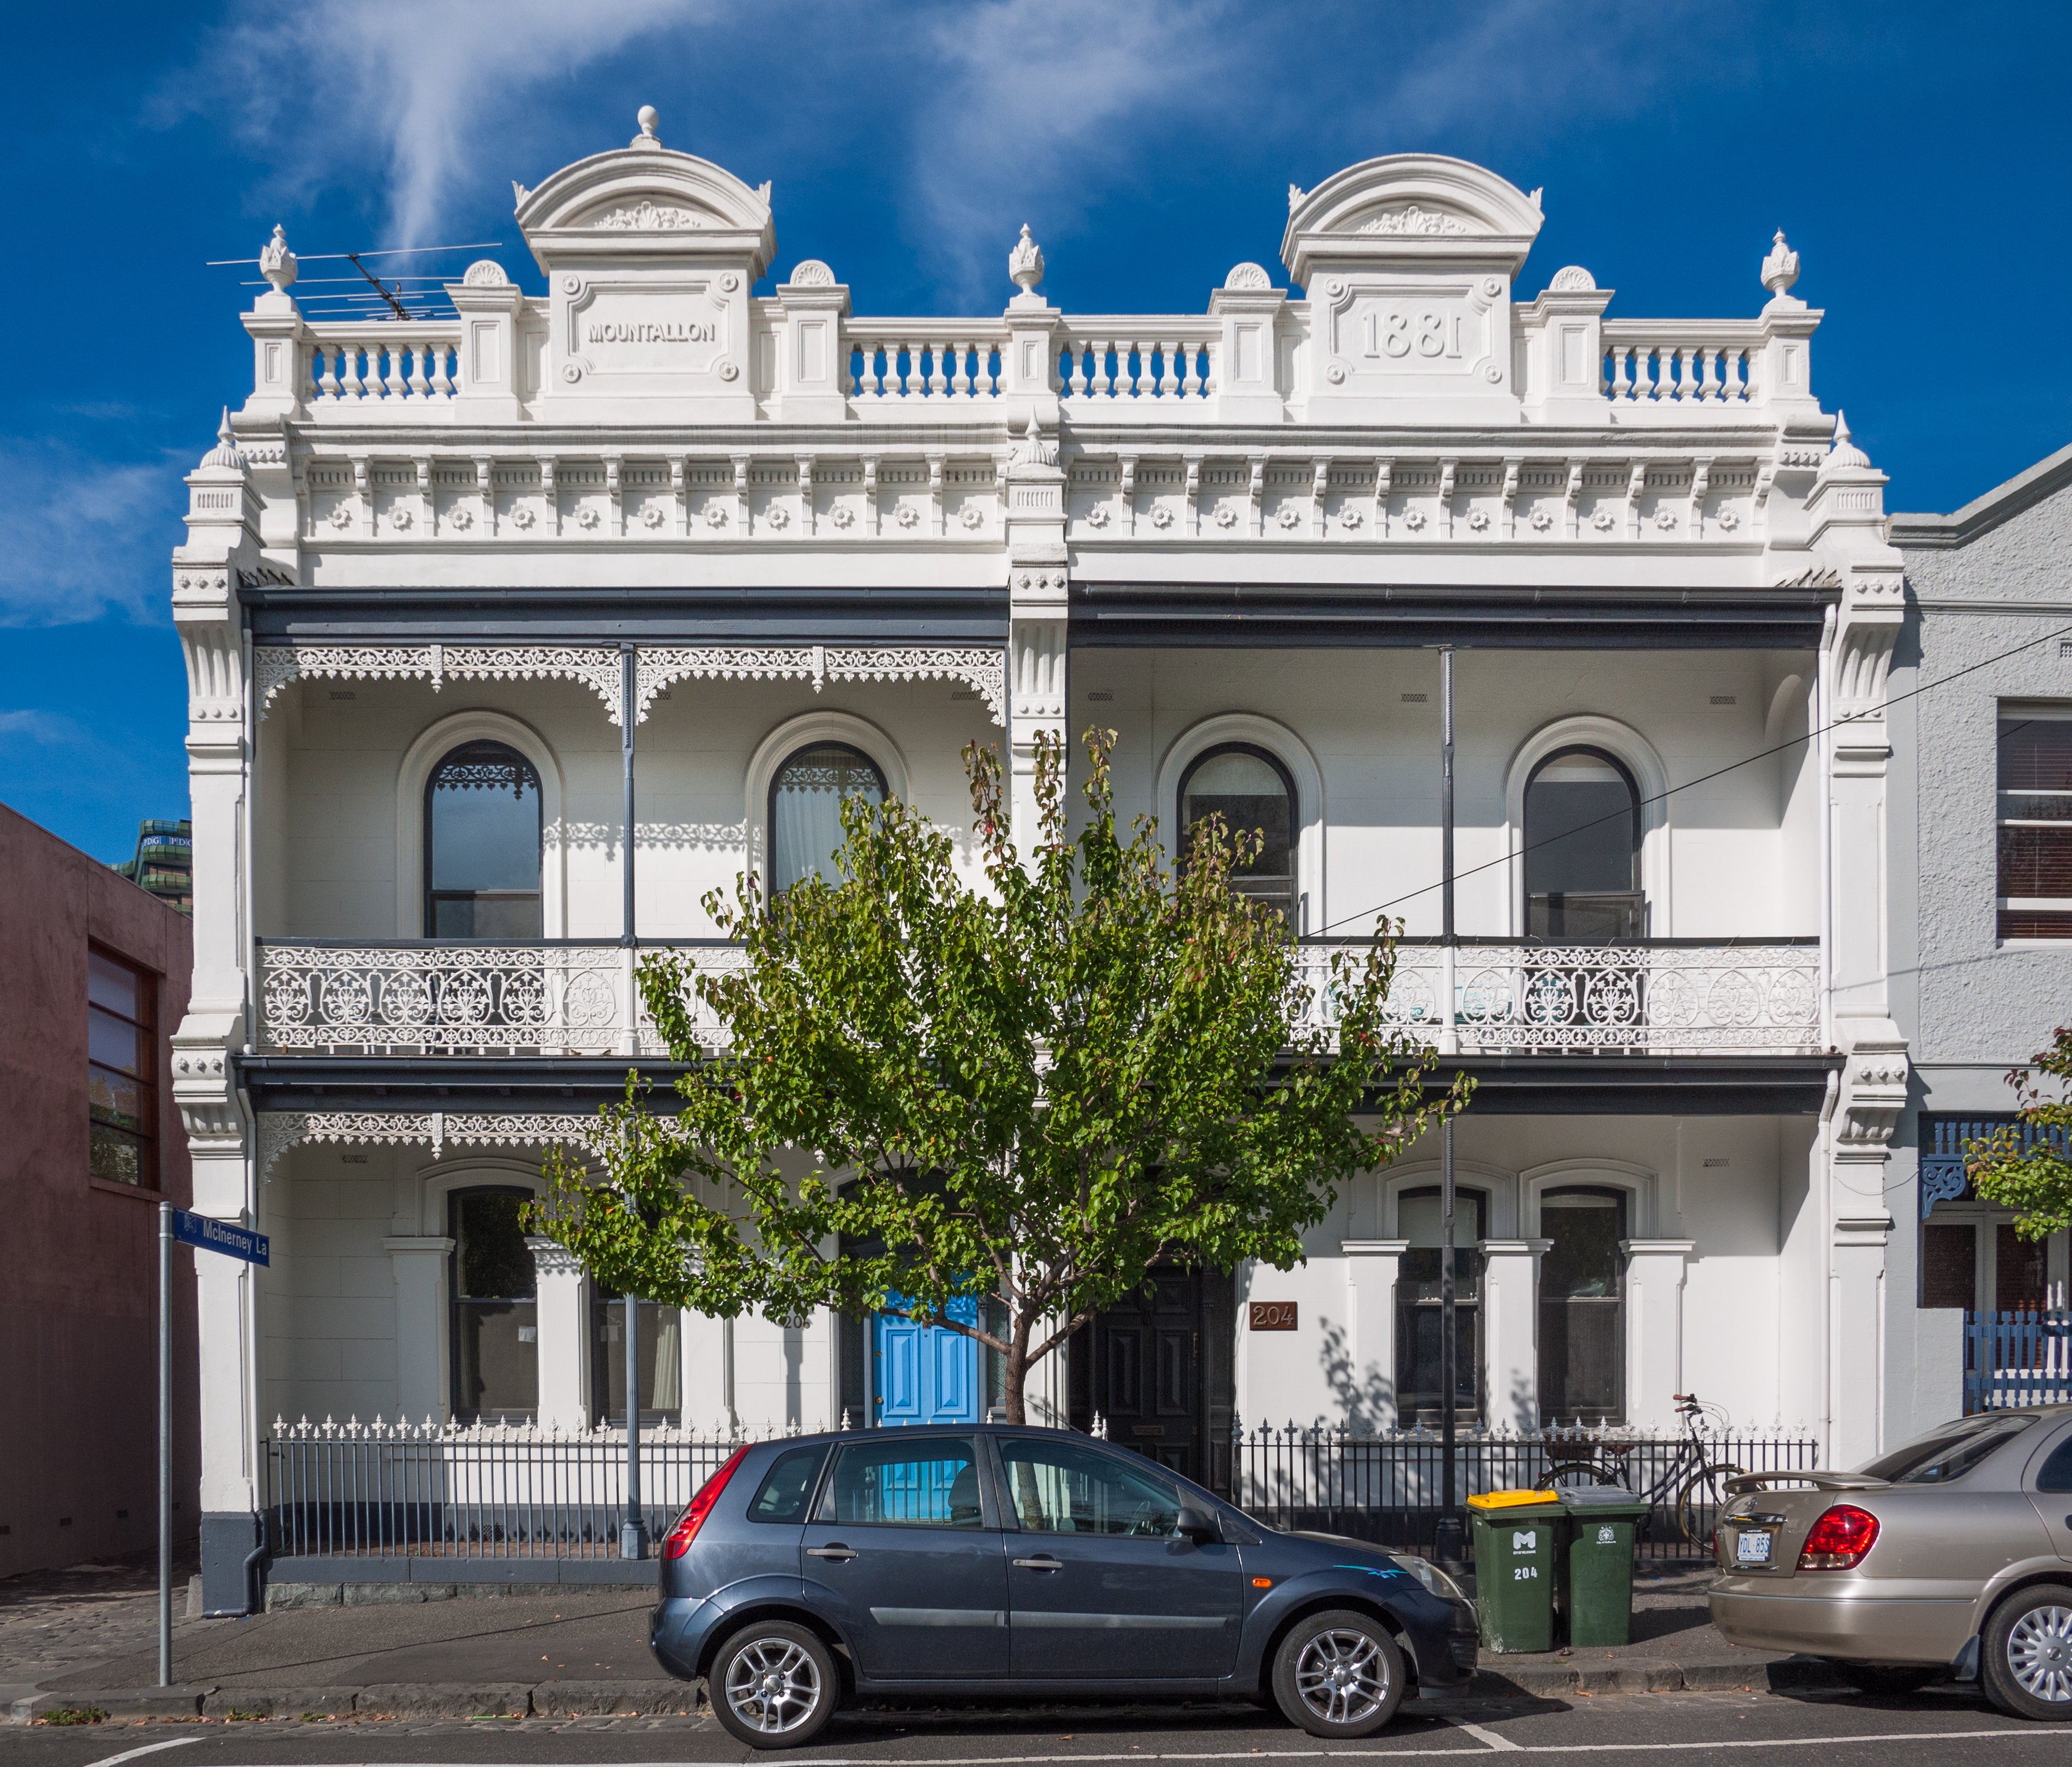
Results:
2039 1654
773 1685
1341 1676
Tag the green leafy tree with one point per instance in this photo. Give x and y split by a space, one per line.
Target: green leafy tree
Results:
2023 1165
1019 1097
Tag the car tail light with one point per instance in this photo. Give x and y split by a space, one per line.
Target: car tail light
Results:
1839 1539
700 1505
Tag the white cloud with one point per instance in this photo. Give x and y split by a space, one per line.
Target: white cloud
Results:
84 538
329 90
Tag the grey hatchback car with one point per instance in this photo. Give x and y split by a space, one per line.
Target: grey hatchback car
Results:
992 1559
1949 1556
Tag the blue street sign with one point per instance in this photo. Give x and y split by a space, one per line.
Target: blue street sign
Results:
226 1237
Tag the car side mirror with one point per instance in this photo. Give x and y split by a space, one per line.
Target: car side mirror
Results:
1196 1525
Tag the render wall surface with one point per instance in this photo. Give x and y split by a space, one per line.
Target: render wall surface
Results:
1735 856
78 1291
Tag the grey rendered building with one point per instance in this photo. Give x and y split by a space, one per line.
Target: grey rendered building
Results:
1981 942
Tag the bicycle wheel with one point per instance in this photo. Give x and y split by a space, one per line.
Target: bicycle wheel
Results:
1699 1501
1574 1475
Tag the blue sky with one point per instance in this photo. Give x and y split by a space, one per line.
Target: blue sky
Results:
1916 155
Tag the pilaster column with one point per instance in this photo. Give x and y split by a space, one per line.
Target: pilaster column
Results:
1372 1268
1654 1328
1510 1330
558 1309
1855 1382
1038 687
419 1262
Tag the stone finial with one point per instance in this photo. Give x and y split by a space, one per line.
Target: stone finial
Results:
1572 279
1031 449
1249 277
1845 453
647 117
810 273
226 452
1295 194
1024 264
276 263
485 273
1780 269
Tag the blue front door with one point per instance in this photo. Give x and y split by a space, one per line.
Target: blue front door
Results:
925 1374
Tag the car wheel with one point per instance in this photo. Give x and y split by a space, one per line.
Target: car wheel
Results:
1887 1679
2025 1658
1338 1675
773 1685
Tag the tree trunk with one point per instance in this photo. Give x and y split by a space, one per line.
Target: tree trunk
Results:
1014 1383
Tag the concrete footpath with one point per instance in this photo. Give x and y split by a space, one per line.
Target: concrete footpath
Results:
84 1641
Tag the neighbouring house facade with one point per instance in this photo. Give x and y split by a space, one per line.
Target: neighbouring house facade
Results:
1981 857
97 969
513 633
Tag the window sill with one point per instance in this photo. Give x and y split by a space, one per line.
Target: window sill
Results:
2063 943
115 1190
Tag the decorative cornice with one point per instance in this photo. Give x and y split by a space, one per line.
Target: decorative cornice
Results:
984 668
275 666
281 1130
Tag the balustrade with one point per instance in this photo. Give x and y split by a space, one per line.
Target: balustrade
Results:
1662 998
1111 362
1647 367
384 361
958 359
413 997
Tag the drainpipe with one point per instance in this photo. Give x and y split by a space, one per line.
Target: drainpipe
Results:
1824 1142
1447 1542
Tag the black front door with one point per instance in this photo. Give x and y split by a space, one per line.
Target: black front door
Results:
1156 1368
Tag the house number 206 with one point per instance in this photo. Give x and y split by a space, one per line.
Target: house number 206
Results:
1401 332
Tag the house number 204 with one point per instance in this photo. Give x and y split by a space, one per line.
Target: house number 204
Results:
1524 1573
1401 332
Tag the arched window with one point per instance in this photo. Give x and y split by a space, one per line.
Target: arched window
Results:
482 845
1582 1304
806 799
1582 850
1254 794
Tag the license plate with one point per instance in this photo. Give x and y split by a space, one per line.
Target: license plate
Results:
1753 1548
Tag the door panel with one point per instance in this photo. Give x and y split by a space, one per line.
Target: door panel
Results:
902 1555
925 1374
1099 1587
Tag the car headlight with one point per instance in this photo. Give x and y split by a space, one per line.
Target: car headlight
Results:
1432 1578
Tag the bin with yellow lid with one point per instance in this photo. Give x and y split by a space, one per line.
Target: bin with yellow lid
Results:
1516 1539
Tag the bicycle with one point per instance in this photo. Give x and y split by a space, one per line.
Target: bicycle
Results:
1691 1485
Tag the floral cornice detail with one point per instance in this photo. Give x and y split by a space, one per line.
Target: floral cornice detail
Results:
646 217
1414 219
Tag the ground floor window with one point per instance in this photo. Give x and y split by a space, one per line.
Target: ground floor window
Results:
1420 1334
1582 1306
661 1359
494 1319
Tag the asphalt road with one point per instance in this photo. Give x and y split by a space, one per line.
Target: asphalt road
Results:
1830 1730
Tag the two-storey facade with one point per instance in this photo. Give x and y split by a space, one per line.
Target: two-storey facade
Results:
513 633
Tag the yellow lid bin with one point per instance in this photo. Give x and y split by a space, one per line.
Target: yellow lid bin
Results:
1510 1500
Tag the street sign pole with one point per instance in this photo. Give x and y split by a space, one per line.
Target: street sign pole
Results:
165 1444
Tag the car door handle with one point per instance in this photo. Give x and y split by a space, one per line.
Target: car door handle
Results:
838 1551
1046 1563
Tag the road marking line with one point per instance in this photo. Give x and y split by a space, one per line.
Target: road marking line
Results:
1490 1740
148 1749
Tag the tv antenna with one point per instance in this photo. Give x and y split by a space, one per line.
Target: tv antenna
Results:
389 293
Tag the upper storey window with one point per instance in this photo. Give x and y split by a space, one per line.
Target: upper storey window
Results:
1582 850
2035 815
805 809
482 845
122 1070
1254 795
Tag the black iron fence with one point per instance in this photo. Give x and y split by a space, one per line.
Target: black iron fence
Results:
374 1490
486 1491
1388 1489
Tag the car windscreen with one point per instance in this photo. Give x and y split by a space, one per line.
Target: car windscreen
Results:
1948 1451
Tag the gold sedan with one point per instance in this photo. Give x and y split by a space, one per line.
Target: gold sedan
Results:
1950 1557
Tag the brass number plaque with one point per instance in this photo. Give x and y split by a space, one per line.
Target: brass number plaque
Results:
1272 1315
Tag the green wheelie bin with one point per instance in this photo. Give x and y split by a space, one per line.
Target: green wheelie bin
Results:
1598 1588
1516 1534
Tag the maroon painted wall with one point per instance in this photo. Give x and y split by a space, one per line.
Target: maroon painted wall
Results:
79 1256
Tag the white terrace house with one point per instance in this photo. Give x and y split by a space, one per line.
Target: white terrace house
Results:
510 634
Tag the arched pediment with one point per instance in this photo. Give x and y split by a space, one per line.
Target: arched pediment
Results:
645 200
1418 205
